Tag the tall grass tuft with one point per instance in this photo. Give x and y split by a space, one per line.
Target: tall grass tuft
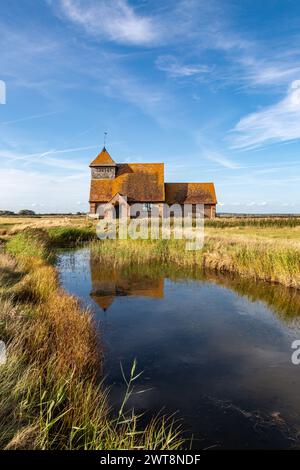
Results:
30 244
62 236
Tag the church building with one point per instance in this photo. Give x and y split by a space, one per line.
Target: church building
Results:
143 183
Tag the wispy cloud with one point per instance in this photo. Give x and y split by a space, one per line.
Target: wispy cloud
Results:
29 118
210 152
277 123
221 160
18 156
267 71
151 100
113 20
171 65
196 28
48 158
246 60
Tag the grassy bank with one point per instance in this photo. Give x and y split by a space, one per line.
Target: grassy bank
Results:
49 392
259 259
57 237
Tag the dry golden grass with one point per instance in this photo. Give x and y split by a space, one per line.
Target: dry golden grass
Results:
65 333
289 234
14 224
267 260
8 265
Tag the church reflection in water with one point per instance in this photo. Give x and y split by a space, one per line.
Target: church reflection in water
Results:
148 280
109 283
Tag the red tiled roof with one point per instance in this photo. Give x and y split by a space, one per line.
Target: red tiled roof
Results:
103 159
190 193
140 182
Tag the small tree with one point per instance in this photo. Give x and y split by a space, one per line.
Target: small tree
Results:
26 212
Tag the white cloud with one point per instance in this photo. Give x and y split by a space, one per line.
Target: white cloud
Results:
114 20
255 203
46 158
29 118
174 68
268 72
277 123
151 100
210 152
221 160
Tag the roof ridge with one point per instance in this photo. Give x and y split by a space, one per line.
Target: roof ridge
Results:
189 182
103 159
141 163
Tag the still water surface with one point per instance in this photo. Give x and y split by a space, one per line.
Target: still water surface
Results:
213 348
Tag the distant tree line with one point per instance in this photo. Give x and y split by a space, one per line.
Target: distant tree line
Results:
7 213
29 212
21 212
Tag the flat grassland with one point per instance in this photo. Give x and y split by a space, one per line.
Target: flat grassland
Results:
272 228
13 224
266 248
256 232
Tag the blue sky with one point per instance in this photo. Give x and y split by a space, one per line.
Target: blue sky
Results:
212 89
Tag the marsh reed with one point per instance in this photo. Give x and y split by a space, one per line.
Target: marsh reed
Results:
272 261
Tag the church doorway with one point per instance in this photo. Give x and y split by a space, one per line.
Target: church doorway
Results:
117 211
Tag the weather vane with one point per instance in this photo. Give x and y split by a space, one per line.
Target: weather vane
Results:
105 135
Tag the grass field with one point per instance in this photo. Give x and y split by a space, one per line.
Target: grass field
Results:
283 227
13 224
272 233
